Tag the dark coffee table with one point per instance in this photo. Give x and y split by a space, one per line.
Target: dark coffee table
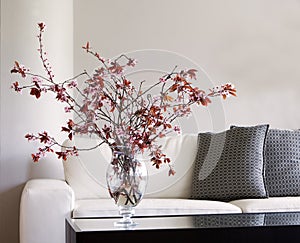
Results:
252 227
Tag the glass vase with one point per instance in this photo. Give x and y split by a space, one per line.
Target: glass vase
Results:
126 178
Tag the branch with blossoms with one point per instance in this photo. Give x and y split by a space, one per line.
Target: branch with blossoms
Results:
111 108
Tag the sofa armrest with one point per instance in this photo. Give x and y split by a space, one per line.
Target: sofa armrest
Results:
44 205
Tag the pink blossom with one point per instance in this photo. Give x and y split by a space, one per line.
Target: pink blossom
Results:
177 129
162 80
16 87
68 109
116 68
111 107
72 84
36 80
30 137
131 62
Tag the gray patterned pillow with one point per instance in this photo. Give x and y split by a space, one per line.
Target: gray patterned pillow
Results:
282 162
230 165
286 218
229 220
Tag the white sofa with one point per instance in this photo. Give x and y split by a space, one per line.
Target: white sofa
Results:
46 202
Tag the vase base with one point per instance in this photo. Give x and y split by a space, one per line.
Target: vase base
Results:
126 221
126 224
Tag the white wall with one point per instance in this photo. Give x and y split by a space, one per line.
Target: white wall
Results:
21 114
254 44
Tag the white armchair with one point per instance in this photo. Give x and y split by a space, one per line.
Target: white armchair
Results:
42 201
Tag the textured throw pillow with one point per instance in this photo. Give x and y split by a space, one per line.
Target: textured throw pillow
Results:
286 218
229 220
230 165
282 162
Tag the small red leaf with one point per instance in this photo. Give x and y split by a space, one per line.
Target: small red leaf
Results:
36 92
70 124
62 155
65 129
87 46
41 26
35 157
192 73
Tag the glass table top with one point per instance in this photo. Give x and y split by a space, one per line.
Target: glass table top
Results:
189 221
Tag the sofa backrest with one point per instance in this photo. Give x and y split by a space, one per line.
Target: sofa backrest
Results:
86 172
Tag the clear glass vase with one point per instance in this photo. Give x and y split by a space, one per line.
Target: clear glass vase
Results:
126 178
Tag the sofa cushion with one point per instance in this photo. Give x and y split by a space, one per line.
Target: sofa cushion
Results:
158 206
230 164
271 204
86 172
80 170
282 162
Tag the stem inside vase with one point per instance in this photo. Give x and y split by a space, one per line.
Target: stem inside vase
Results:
126 179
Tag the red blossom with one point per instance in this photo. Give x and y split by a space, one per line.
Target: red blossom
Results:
61 93
64 129
35 157
174 87
35 92
49 149
107 131
228 89
68 152
68 109
131 62
108 105
163 80
87 46
84 108
16 87
179 78
30 137
71 124
192 73
19 69
99 81
156 162
205 101
41 26
44 137
72 84
171 172
62 155
115 68
126 82
69 129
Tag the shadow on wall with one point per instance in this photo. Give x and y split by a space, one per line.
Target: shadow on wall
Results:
49 167
9 202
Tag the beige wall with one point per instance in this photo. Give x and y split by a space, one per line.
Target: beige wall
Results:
253 43
21 114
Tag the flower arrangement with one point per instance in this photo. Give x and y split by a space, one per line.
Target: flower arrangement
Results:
111 108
